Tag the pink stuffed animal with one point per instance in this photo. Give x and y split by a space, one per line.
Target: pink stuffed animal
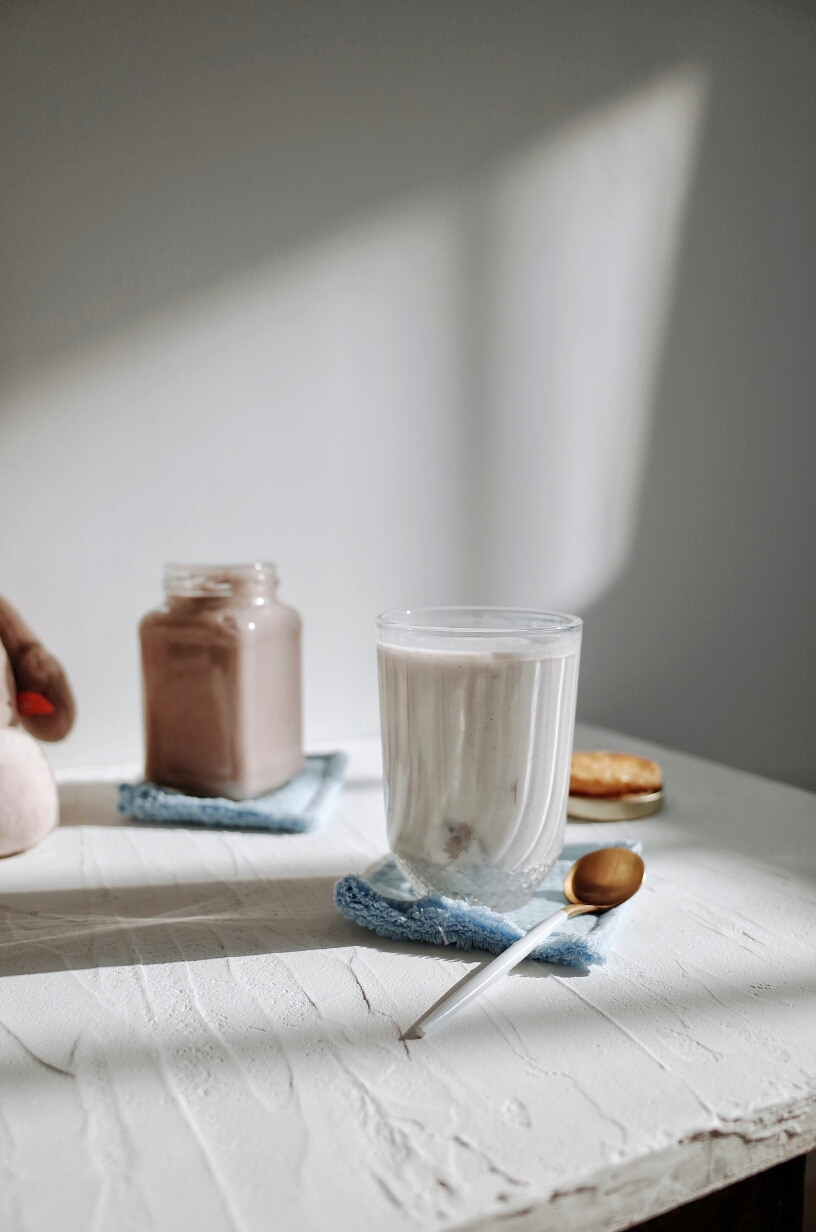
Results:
34 692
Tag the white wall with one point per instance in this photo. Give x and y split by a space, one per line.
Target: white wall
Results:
318 414
309 417
585 229
427 302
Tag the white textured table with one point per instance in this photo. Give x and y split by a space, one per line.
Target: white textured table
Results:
192 1038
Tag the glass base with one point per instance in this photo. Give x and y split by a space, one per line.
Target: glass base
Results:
482 886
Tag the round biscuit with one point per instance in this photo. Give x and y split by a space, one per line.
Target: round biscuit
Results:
606 774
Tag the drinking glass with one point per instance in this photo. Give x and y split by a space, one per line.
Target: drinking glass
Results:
478 711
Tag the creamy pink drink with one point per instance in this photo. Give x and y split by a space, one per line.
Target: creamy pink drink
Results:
478 712
221 672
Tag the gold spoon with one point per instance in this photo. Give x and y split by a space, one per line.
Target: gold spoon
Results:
600 880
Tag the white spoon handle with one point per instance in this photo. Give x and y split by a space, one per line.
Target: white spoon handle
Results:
488 975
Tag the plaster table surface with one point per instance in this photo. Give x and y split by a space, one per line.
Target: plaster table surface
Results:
191 1037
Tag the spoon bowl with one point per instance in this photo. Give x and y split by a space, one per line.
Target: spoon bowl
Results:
600 880
604 878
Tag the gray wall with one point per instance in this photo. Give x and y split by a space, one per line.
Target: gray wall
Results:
154 152
708 640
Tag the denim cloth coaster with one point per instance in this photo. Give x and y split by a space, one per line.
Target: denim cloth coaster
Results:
301 805
384 899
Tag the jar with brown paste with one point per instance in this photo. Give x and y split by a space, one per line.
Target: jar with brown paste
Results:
221 676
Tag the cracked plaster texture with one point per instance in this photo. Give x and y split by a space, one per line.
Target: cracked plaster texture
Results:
192 1037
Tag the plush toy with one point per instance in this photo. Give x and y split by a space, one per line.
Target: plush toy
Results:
34 693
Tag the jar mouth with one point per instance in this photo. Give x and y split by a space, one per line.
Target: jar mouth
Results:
479 622
218 581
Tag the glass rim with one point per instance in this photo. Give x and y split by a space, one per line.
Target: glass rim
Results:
528 621
207 581
252 566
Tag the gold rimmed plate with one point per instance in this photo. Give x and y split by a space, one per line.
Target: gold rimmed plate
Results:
614 808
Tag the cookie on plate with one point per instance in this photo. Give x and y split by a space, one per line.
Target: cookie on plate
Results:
609 776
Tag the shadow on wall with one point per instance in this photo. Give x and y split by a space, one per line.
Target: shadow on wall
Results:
447 403
707 639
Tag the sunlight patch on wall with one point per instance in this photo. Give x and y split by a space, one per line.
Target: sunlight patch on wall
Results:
583 240
307 416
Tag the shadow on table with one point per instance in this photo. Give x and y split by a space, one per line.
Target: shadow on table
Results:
81 929
54 930
90 804
87 928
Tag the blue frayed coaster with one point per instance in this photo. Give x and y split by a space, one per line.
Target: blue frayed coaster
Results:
384 900
301 805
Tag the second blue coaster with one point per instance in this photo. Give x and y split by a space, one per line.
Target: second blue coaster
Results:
300 806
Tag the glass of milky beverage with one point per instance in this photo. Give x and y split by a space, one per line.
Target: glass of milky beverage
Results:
478 712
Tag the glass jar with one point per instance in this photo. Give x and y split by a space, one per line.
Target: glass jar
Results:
221 676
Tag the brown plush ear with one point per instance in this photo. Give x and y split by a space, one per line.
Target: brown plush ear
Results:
8 692
36 671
